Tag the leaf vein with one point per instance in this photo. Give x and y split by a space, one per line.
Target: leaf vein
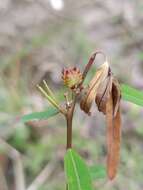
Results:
76 172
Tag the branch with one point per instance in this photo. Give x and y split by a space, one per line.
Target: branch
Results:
42 177
3 182
18 166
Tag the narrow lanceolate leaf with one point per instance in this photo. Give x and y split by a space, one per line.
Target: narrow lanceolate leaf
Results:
40 115
77 172
97 172
132 95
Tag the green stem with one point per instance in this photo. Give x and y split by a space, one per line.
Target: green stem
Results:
69 129
69 119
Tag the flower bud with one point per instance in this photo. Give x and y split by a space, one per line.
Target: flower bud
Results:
72 77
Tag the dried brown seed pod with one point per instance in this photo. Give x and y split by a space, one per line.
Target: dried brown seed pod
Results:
92 89
104 89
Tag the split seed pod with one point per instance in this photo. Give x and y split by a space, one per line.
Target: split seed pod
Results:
104 89
92 89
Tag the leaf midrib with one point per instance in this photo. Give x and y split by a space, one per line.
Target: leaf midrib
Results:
76 172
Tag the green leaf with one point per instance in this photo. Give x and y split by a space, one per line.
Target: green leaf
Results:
97 172
132 95
77 172
40 115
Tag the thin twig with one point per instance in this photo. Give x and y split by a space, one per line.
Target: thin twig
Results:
3 182
18 165
42 177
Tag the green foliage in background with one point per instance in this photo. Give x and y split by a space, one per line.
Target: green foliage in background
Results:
79 175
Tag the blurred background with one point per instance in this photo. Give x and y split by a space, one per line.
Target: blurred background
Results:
37 39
